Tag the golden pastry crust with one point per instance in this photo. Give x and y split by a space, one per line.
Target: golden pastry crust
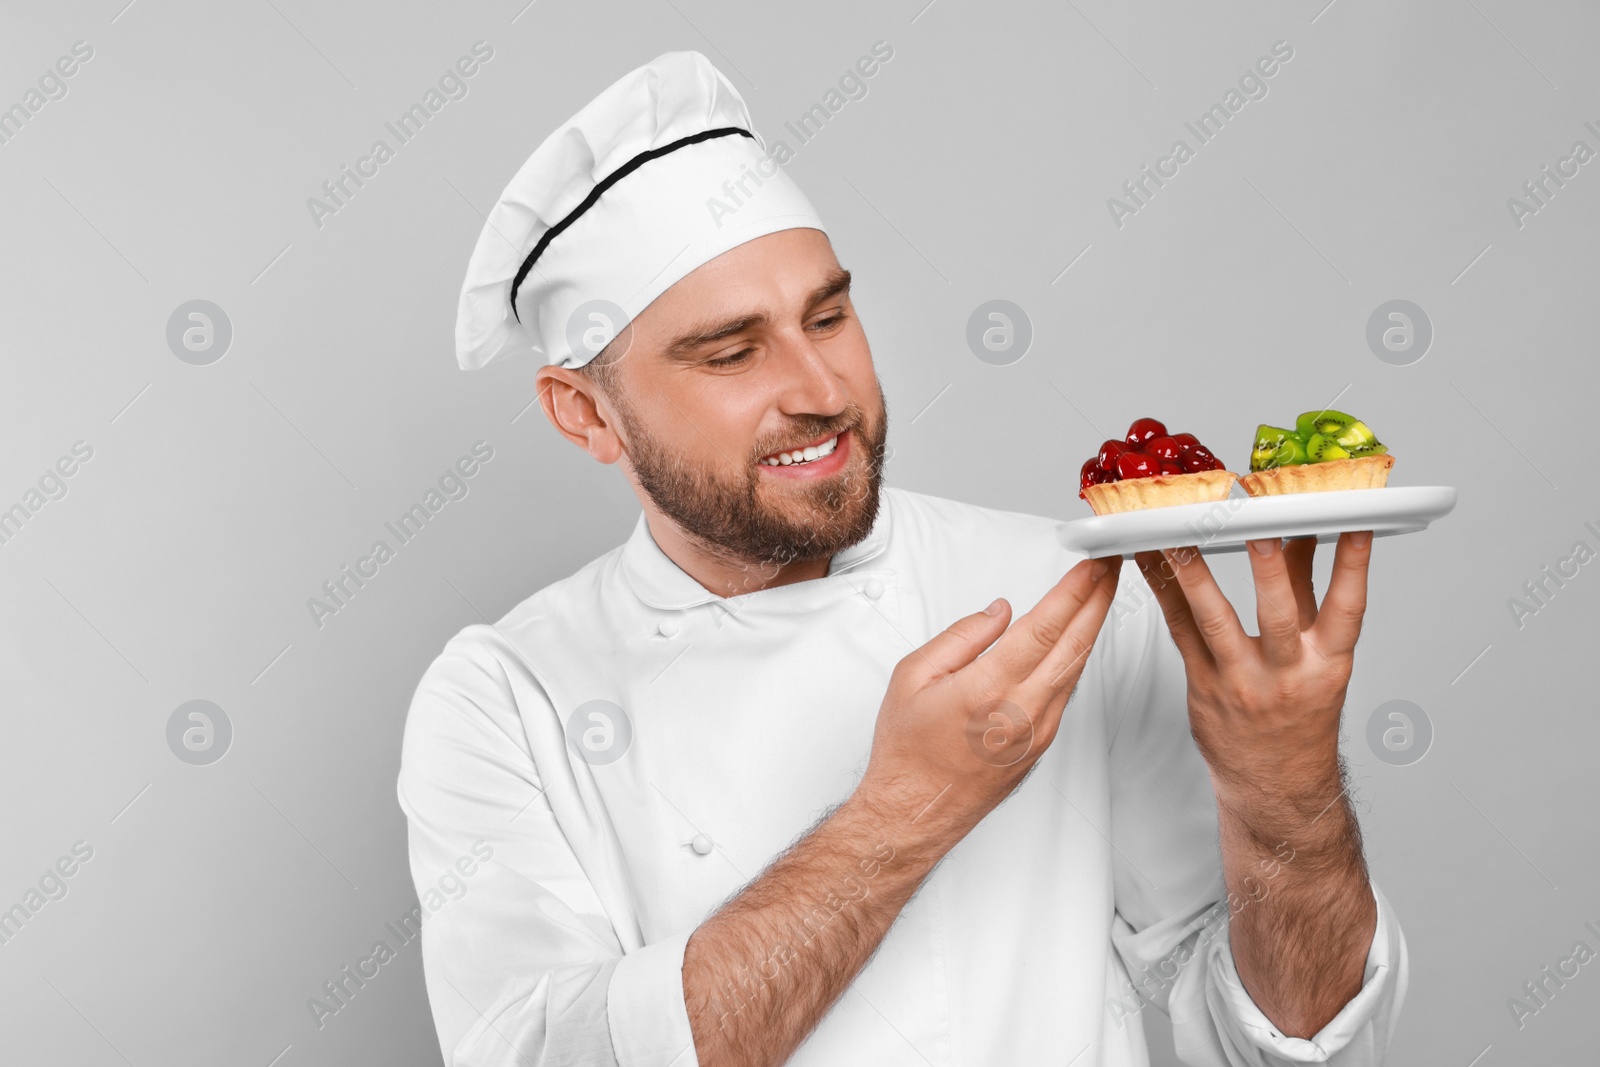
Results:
1363 472
1161 491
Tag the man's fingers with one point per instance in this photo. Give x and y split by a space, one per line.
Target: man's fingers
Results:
1063 664
1163 581
1277 617
1339 621
956 647
1035 634
1214 617
1298 554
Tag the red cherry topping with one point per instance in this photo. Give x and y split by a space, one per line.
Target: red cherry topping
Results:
1144 429
1137 465
1199 458
1093 475
1109 452
1165 447
1148 451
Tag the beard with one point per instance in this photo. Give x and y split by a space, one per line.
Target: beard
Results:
743 517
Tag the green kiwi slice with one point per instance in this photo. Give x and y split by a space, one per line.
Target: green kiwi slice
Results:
1321 448
1355 436
1268 442
1327 423
1272 440
1346 434
1291 452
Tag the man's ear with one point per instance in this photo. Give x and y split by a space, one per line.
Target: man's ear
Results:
573 405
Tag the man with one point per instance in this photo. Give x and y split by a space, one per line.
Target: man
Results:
732 793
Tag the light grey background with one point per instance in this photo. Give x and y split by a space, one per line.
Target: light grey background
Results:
178 565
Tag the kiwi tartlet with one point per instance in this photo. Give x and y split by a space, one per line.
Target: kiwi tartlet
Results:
1326 450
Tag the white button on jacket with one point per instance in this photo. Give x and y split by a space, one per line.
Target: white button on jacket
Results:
623 786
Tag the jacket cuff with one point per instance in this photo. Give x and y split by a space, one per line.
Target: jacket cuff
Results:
649 1020
1363 1024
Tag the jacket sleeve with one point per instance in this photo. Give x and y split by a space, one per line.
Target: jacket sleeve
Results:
524 968
1171 924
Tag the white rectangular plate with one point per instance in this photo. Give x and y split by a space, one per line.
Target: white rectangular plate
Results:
1225 525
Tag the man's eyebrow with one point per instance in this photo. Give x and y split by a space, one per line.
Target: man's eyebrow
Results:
837 281
685 344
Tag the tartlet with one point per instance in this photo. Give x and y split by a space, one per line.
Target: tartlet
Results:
1326 451
1150 468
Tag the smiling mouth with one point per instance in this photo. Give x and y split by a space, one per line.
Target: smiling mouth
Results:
801 456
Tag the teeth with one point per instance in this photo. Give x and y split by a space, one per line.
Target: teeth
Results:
803 455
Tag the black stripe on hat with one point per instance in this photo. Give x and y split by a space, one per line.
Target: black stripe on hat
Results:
610 180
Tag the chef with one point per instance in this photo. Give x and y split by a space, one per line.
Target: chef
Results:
816 771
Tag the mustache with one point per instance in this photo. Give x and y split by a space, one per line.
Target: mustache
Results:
807 428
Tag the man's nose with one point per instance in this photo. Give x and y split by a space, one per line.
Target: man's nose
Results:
809 385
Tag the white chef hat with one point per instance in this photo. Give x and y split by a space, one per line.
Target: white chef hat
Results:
658 174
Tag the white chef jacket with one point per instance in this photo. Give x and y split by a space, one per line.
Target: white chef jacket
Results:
746 718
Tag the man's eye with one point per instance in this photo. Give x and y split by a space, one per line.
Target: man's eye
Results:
734 360
830 322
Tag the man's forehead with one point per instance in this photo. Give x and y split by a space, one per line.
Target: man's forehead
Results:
747 282
763 268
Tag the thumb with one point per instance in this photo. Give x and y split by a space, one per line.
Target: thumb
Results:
961 643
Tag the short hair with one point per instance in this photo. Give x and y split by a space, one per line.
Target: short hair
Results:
602 370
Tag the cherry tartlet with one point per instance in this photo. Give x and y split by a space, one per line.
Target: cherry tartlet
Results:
1150 468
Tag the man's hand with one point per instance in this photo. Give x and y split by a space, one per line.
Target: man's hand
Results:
1265 712
957 731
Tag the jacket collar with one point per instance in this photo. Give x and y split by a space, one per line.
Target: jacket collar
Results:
660 583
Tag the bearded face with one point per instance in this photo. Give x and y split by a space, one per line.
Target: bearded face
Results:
744 404
747 510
